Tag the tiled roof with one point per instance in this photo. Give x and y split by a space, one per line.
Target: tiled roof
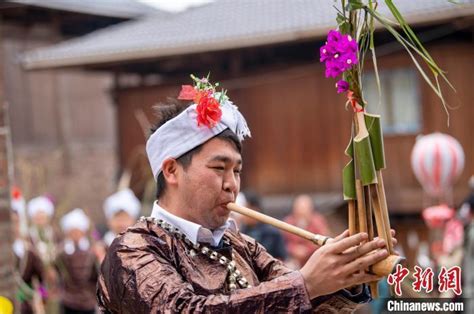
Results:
111 8
221 25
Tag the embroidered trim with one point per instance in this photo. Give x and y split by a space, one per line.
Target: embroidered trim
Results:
234 277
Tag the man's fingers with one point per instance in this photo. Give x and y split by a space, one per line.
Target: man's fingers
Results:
394 240
342 245
363 249
343 235
362 263
393 232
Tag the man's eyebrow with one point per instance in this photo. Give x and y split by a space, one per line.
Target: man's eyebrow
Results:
225 159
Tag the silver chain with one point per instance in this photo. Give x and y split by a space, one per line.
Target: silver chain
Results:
234 277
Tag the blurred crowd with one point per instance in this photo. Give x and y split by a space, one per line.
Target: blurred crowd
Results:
57 268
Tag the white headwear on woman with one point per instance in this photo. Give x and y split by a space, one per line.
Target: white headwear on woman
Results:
40 203
123 200
75 219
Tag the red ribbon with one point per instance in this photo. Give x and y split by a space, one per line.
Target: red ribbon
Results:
353 101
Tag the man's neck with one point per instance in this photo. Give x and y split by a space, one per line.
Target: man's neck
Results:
194 231
175 209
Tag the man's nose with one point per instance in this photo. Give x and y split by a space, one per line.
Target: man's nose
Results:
231 183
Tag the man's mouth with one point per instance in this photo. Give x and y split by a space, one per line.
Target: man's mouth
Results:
222 209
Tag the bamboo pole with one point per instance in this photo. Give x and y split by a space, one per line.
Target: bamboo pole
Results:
384 208
369 213
361 209
382 230
370 230
352 217
315 238
382 268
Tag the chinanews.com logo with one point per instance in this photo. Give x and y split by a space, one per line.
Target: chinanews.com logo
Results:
448 279
424 305
448 283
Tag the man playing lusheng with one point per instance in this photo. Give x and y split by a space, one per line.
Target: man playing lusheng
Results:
189 257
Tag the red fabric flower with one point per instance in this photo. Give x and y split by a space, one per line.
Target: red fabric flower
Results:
16 193
208 109
187 92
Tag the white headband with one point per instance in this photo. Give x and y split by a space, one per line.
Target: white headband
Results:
40 203
182 133
75 219
122 200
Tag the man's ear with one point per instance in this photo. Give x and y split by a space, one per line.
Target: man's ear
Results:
170 170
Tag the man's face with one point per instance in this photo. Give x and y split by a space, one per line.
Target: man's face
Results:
76 234
120 222
303 209
211 181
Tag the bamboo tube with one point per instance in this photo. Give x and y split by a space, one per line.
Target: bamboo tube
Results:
374 289
352 217
361 210
382 268
315 238
369 214
384 207
373 285
382 230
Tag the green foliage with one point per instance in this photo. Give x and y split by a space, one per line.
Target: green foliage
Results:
357 19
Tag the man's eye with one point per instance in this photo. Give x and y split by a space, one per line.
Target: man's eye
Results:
238 171
218 168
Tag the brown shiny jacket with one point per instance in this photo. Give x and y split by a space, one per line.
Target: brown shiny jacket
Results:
148 270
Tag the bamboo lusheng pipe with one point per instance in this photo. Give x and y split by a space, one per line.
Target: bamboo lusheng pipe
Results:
382 268
352 217
315 238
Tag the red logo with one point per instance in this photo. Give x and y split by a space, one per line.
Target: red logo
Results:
423 279
397 277
450 280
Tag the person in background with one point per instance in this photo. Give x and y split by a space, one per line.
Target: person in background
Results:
42 234
304 216
121 211
77 265
29 270
264 234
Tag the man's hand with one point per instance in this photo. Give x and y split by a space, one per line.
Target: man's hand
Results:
341 263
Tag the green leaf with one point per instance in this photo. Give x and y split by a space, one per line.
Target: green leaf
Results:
411 45
348 175
340 19
374 128
355 5
348 181
364 160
